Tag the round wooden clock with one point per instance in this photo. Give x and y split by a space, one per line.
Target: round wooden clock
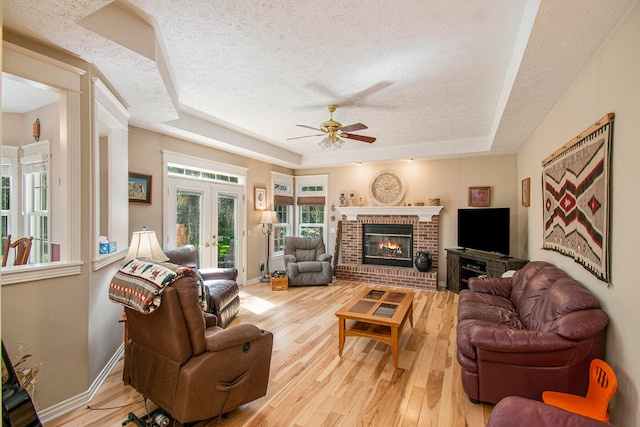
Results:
387 189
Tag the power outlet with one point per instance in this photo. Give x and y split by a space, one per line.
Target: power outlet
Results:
261 267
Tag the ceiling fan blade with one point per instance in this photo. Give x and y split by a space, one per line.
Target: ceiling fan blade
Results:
353 127
362 138
306 136
309 127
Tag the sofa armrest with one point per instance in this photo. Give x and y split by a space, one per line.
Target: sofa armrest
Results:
492 285
210 320
233 336
288 259
324 257
230 273
507 340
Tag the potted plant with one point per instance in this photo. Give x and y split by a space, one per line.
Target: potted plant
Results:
279 280
279 273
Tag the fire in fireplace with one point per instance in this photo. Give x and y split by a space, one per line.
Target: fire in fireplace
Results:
387 244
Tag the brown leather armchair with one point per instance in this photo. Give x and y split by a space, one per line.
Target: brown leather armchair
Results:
535 331
190 369
220 286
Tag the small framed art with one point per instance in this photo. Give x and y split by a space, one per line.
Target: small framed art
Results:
139 188
526 192
479 196
260 198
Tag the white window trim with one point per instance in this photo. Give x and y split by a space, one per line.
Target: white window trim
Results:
110 113
312 180
33 66
281 178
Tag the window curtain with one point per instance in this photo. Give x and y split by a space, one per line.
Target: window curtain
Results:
279 200
311 201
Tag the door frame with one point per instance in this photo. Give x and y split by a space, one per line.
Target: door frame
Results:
171 157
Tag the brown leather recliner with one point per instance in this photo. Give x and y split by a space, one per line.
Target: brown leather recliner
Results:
192 371
535 331
221 288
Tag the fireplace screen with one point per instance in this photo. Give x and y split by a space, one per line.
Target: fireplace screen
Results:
387 244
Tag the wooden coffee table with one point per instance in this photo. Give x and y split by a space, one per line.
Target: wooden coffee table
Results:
379 314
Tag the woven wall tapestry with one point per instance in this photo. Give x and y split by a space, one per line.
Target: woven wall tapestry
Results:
576 181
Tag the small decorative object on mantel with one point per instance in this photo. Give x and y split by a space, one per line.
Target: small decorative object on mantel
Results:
480 196
433 202
423 261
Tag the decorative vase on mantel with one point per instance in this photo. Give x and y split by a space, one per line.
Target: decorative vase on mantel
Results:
423 261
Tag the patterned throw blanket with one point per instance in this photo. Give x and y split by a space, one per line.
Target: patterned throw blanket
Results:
139 284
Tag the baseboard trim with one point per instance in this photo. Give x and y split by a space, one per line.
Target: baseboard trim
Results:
81 399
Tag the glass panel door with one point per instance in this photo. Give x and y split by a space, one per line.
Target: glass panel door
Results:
189 218
208 216
228 218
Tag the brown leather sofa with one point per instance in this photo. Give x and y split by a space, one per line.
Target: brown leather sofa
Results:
516 411
522 335
190 368
220 284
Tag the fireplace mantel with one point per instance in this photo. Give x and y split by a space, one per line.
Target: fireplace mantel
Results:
425 213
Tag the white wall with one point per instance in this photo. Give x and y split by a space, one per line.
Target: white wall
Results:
609 83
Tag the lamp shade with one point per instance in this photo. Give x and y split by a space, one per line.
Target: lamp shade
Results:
268 217
144 244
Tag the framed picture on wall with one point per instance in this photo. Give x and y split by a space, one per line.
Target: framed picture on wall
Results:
526 192
260 199
479 196
139 188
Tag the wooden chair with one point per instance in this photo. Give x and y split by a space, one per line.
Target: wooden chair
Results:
22 248
602 385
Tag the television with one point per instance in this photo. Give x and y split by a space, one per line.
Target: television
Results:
484 229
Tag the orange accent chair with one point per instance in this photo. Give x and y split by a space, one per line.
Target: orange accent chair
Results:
602 385
22 249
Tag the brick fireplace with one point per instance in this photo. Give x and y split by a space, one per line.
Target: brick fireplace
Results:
425 222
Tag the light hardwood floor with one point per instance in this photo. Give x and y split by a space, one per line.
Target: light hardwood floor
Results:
310 385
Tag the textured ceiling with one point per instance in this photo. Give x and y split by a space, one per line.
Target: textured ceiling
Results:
428 78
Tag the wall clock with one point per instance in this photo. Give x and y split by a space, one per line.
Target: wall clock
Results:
387 189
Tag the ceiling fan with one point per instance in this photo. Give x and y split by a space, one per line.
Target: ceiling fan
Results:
334 132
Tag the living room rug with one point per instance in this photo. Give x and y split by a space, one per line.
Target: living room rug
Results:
576 182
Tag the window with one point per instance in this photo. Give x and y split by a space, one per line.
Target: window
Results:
35 203
311 221
311 206
9 192
37 215
51 213
283 206
202 174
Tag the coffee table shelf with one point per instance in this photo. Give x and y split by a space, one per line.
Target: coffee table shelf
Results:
378 314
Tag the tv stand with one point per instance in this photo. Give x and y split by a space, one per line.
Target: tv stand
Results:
463 264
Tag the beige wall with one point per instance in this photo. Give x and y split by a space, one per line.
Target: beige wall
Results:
609 83
68 323
446 179
145 156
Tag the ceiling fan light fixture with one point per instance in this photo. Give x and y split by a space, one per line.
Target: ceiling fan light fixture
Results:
338 143
326 142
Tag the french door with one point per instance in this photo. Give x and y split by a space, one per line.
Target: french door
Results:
208 216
